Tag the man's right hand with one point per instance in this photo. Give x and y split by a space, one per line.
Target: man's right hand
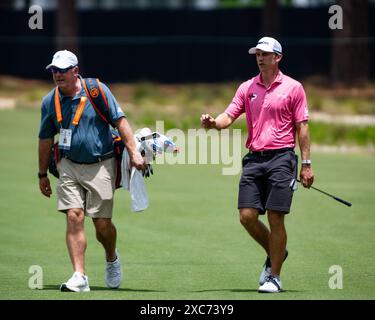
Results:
45 187
207 121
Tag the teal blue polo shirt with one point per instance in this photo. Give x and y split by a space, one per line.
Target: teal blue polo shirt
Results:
92 137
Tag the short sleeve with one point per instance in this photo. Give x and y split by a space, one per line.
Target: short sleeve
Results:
237 106
300 108
115 111
47 128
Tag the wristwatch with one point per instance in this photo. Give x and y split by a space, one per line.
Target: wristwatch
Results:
306 162
42 175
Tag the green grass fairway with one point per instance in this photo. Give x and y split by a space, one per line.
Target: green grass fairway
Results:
189 244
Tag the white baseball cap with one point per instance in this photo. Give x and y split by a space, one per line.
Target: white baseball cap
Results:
63 59
267 44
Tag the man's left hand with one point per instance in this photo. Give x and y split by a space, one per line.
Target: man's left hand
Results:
306 176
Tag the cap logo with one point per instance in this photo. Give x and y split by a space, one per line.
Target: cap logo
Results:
94 92
263 42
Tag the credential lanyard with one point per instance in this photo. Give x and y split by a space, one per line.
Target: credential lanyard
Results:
79 111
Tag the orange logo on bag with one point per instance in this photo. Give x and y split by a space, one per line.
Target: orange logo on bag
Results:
94 92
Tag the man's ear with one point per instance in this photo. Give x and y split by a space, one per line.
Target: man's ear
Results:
279 57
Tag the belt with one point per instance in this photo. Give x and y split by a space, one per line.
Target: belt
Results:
98 159
270 152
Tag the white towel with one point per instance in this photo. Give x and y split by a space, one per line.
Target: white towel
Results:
132 180
149 144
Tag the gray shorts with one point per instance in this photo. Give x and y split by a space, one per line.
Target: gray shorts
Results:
87 186
267 181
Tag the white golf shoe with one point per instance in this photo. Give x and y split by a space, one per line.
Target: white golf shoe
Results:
113 273
77 283
272 285
266 270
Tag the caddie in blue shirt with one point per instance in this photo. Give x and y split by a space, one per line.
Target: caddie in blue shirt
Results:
87 169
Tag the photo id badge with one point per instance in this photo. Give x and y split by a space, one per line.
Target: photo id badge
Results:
65 139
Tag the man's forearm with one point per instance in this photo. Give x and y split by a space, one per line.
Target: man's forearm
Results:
304 140
223 121
44 150
306 174
126 134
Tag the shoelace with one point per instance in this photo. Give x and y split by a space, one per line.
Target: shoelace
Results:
113 270
269 278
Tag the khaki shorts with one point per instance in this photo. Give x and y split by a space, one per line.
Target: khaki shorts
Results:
87 186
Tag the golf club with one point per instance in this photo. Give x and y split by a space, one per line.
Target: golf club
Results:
153 135
330 195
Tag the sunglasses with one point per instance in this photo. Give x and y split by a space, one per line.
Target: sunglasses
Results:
65 70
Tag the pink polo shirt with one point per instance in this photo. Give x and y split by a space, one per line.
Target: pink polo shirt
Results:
271 113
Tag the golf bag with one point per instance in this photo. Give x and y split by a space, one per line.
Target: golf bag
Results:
98 100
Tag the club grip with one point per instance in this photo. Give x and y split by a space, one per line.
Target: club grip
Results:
343 201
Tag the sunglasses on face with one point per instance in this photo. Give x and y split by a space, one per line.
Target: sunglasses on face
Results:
55 70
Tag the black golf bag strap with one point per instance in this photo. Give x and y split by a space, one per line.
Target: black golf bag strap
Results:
97 98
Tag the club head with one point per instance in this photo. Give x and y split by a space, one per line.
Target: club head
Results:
153 135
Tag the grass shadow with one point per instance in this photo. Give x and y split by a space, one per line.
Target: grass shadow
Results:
226 290
239 290
97 288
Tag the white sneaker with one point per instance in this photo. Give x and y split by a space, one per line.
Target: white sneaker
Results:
272 285
113 273
266 271
77 283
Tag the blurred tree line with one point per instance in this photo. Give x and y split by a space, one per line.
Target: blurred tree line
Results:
350 44
350 47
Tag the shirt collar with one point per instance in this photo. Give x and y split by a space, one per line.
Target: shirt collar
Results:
278 79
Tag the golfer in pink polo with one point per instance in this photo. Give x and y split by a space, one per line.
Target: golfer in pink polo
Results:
276 111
